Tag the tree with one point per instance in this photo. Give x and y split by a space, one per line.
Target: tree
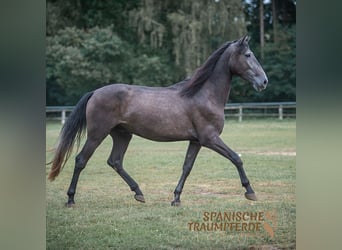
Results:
80 61
274 21
147 42
194 28
262 38
279 60
90 43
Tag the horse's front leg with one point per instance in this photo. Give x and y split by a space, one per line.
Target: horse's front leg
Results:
215 143
190 157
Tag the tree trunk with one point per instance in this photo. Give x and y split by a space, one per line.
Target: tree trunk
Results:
275 21
262 40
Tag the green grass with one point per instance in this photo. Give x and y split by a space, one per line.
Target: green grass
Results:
106 216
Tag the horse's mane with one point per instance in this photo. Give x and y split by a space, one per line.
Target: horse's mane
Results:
202 73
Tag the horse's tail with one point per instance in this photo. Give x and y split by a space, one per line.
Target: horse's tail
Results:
72 130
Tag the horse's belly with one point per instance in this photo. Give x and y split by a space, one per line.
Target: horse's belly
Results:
158 127
164 136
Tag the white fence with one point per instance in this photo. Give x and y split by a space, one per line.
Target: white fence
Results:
61 112
239 110
261 109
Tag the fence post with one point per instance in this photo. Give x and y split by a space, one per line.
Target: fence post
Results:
63 116
280 112
240 113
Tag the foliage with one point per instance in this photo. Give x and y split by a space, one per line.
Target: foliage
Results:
79 61
279 64
91 43
279 60
197 31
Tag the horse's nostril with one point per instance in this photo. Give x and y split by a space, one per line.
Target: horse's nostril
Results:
265 82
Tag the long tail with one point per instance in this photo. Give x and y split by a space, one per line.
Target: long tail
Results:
72 131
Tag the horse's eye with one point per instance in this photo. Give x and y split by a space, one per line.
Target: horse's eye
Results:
248 55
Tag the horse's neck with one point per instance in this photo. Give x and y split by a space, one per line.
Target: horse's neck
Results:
219 83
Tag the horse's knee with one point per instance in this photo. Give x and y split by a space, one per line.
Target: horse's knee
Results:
115 165
80 162
237 161
111 163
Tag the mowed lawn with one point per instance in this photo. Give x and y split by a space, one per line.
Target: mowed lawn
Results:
106 216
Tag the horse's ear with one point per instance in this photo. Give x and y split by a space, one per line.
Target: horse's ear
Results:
244 40
247 38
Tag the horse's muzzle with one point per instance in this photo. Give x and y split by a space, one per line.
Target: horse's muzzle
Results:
261 84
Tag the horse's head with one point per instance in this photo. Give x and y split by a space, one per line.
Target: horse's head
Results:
244 64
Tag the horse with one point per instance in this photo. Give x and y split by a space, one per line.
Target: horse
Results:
190 110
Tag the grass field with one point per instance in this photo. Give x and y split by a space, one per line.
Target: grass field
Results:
106 216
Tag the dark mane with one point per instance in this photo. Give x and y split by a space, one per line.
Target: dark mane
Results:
203 72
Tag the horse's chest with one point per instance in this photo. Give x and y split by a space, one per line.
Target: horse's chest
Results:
209 118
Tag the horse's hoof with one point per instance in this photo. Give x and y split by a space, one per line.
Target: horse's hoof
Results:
251 196
69 204
175 203
139 197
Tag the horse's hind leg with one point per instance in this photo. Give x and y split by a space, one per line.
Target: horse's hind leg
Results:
121 139
80 163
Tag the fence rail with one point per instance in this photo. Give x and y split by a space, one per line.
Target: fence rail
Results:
62 110
239 110
261 109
